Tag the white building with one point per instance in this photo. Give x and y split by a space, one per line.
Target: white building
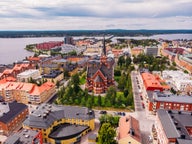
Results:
28 74
178 78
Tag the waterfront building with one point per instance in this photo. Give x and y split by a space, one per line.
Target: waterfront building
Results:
28 74
27 93
25 136
158 100
129 132
173 127
61 124
11 116
47 46
100 73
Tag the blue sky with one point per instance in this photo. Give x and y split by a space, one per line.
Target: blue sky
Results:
95 14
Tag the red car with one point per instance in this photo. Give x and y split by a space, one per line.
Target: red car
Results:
143 105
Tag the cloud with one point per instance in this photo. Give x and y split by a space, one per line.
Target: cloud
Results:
100 14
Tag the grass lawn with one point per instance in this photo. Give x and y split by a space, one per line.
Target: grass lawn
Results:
82 79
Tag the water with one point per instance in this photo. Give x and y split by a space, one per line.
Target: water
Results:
12 49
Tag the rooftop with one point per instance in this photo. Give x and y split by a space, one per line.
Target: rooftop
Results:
175 124
25 136
46 114
66 131
28 72
157 96
14 109
129 126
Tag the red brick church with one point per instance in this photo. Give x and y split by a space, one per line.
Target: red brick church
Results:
100 73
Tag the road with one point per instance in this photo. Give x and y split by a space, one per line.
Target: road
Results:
146 119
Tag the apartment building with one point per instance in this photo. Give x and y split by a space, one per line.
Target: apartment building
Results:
27 93
179 79
11 116
173 127
158 100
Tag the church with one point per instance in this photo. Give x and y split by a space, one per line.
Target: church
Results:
100 73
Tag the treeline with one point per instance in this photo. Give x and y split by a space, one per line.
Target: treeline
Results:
115 32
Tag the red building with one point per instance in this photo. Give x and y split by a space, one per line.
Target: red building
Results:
25 136
100 73
173 127
159 100
153 82
11 116
46 46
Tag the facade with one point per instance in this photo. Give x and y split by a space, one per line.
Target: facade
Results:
179 79
28 74
100 73
47 46
173 127
11 116
152 51
159 100
68 40
27 93
153 82
61 124
129 132
25 136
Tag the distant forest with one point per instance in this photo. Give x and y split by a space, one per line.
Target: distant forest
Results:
114 32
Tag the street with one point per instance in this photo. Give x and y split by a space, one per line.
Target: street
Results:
146 120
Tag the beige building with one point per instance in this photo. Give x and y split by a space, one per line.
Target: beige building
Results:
28 74
27 93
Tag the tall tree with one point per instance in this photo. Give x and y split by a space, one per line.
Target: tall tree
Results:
106 134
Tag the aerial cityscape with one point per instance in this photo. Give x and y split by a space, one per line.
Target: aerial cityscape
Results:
96 72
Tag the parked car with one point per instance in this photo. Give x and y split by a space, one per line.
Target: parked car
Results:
103 112
143 105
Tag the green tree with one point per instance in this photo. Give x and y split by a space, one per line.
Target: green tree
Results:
99 100
106 134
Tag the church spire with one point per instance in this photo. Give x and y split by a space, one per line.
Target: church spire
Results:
104 47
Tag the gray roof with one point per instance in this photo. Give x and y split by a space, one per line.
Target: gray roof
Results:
174 124
23 137
14 110
171 98
66 131
46 114
184 141
167 124
95 65
98 79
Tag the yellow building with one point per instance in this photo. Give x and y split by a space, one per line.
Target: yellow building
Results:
61 124
54 76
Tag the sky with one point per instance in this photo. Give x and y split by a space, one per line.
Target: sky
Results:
95 14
